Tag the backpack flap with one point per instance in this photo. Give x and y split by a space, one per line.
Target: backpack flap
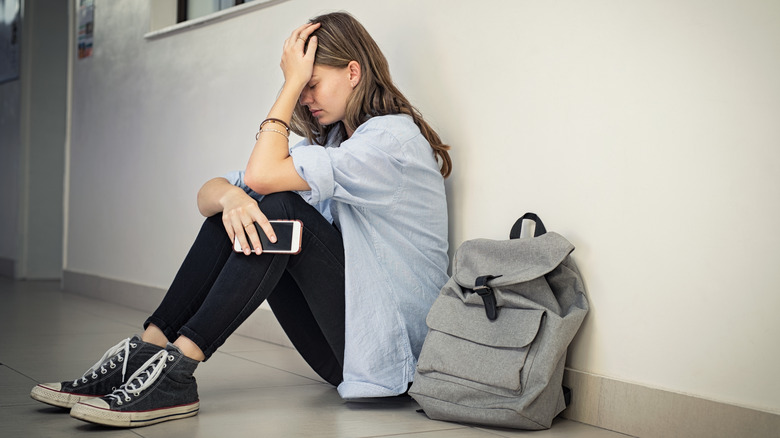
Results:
510 261
449 315
463 344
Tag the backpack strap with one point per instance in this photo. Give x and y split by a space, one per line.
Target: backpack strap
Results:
518 226
488 297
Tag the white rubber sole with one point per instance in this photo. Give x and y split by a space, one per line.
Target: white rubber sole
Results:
95 412
50 394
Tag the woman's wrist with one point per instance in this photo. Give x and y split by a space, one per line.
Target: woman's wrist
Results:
283 108
211 194
295 84
280 124
228 197
293 89
274 125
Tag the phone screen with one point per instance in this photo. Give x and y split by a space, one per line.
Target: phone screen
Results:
288 238
284 234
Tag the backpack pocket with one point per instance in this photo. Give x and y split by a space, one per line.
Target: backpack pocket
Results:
463 343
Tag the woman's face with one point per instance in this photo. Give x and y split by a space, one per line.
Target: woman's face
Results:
326 93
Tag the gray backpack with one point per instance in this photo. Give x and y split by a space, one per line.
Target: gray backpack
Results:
498 332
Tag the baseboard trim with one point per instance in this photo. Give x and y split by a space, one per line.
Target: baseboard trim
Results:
260 325
642 411
7 267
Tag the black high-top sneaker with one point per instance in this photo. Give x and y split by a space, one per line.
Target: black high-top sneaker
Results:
104 377
162 389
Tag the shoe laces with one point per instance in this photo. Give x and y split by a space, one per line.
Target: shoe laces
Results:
108 360
144 377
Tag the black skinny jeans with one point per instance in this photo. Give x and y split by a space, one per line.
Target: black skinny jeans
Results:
217 289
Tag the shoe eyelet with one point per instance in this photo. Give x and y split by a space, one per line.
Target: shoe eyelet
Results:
136 394
120 359
113 388
133 345
119 402
128 399
103 371
94 375
84 380
113 365
171 358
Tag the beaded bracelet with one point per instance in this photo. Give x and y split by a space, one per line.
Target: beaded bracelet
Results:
257 137
278 121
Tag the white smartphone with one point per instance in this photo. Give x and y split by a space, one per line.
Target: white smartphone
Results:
288 238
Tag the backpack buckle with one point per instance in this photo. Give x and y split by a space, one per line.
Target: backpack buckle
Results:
482 289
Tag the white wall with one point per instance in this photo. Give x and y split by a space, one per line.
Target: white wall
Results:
645 132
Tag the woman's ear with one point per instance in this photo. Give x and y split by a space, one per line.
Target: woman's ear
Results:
354 73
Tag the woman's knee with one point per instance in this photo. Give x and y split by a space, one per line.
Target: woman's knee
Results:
281 205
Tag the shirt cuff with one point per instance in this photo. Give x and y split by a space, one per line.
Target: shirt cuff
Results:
236 178
313 164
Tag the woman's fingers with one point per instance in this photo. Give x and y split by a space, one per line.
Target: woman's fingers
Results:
228 227
306 31
254 215
311 50
239 229
297 63
239 222
266 228
303 32
300 35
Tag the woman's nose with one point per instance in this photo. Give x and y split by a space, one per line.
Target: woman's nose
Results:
305 98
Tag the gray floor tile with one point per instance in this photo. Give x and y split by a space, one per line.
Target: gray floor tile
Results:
249 388
299 411
461 432
282 358
561 428
56 358
225 373
14 388
238 343
38 420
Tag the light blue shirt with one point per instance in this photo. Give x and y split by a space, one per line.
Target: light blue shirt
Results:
383 189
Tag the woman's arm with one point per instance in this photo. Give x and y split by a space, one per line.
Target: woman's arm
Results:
239 212
210 196
270 167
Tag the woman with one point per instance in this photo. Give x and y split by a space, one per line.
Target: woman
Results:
367 183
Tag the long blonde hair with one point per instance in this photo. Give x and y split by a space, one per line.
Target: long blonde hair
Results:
341 39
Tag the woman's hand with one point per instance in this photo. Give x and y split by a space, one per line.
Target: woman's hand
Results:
297 64
239 213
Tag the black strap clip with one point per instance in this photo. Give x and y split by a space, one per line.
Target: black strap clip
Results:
488 297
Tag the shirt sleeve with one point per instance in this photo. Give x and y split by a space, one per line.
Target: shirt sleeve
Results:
365 170
236 178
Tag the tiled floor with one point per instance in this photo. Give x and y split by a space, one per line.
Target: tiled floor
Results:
249 388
